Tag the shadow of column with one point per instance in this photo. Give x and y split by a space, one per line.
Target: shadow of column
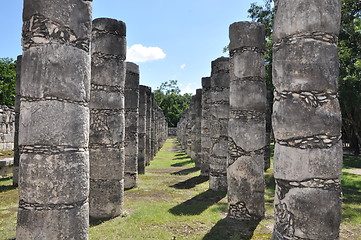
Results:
229 228
198 204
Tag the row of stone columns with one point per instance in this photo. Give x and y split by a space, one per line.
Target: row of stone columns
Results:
306 122
82 121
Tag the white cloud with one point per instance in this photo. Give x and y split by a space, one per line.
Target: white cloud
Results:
188 89
139 53
183 66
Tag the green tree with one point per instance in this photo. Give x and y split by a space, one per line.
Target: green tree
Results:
350 73
173 104
7 81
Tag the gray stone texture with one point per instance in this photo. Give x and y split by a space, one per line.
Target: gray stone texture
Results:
54 120
7 127
247 122
142 129
205 127
196 146
107 118
131 125
307 120
16 124
218 115
148 134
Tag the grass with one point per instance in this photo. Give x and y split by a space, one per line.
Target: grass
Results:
172 201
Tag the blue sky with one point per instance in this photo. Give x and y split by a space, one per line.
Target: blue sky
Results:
168 39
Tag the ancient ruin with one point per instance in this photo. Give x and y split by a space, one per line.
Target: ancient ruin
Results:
247 121
307 120
218 117
131 125
205 127
142 128
107 123
54 120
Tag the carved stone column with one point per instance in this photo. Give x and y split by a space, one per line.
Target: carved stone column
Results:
307 120
54 120
205 127
218 110
131 125
107 128
247 121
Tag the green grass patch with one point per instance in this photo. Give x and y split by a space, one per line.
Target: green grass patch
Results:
172 201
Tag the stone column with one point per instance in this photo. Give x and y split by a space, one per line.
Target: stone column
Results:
307 120
131 125
148 135
153 128
247 121
205 128
218 110
142 129
17 115
107 123
196 130
54 120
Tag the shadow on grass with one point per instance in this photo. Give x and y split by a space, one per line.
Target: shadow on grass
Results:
186 171
350 161
180 158
198 204
180 155
181 164
191 183
5 188
228 228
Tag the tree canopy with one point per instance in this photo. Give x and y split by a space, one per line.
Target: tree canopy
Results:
170 100
7 81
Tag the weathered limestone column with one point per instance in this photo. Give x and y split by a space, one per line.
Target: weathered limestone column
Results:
153 128
17 116
142 129
148 134
307 120
54 120
247 121
205 127
218 110
107 123
196 130
131 125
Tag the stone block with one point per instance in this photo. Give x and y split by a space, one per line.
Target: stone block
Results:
306 65
106 198
295 118
107 100
240 100
311 213
106 163
246 34
53 123
108 72
61 178
246 184
247 134
107 129
307 163
306 16
44 68
46 224
77 17
241 67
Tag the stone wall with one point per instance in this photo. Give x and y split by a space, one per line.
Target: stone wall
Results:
7 127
